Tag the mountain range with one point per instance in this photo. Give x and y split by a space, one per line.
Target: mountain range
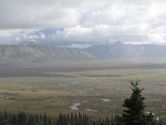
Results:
37 52
119 50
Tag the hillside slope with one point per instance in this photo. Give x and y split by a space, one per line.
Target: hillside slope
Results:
128 51
39 53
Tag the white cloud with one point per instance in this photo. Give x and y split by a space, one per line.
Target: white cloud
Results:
77 31
85 20
16 14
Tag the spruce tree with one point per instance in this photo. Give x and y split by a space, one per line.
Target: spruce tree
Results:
133 114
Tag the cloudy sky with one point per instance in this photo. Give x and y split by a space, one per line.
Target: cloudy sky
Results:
134 21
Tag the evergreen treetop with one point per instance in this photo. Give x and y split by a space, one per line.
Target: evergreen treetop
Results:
133 114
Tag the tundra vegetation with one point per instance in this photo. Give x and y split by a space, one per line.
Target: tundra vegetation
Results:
133 114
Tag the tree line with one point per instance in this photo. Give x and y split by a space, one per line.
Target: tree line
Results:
133 114
83 119
22 118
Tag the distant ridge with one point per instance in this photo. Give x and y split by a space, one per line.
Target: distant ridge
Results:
36 52
119 50
32 52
